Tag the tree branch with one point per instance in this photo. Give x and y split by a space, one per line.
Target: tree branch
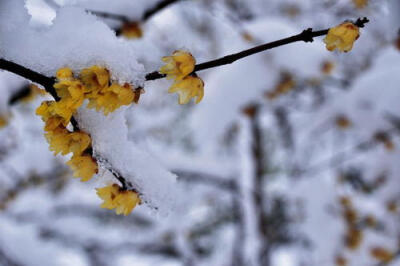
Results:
207 179
307 35
160 6
147 14
31 75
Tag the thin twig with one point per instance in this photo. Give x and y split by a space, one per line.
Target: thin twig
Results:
108 15
147 14
160 6
307 35
31 75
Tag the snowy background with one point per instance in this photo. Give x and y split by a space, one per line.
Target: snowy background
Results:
292 158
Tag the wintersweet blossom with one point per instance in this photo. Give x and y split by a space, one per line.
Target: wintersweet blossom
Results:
360 3
188 88
71 94
84 166
49 115
179 65
3 121
94 79
342 37
131 30
62 141
64 74
111 98
123 201
382 254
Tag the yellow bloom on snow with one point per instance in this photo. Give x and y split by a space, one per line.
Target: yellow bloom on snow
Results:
342 37
64 142
49 115
131 30
115 198
178 66
382 254
71 94
94 79
3 121
188 88
360 3
83 166
64 74
113 97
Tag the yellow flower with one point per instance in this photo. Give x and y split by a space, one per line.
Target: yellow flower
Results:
3 121
126 201
111 98
94 79
342 37
115 198
360 3
382 254
71 94
188 88
83 166
179 65
58 140
64 142
327 67
108 194
64 74
131 30
54 113
354 237
53 123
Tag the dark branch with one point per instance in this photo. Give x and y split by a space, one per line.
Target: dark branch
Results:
207 179
160 6
31 75
148 13
305 36
20 94
109 15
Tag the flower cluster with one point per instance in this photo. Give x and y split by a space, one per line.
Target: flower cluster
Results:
93 85
342 37
123 201
180 67
63 141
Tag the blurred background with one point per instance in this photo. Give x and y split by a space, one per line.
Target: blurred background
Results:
291 159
